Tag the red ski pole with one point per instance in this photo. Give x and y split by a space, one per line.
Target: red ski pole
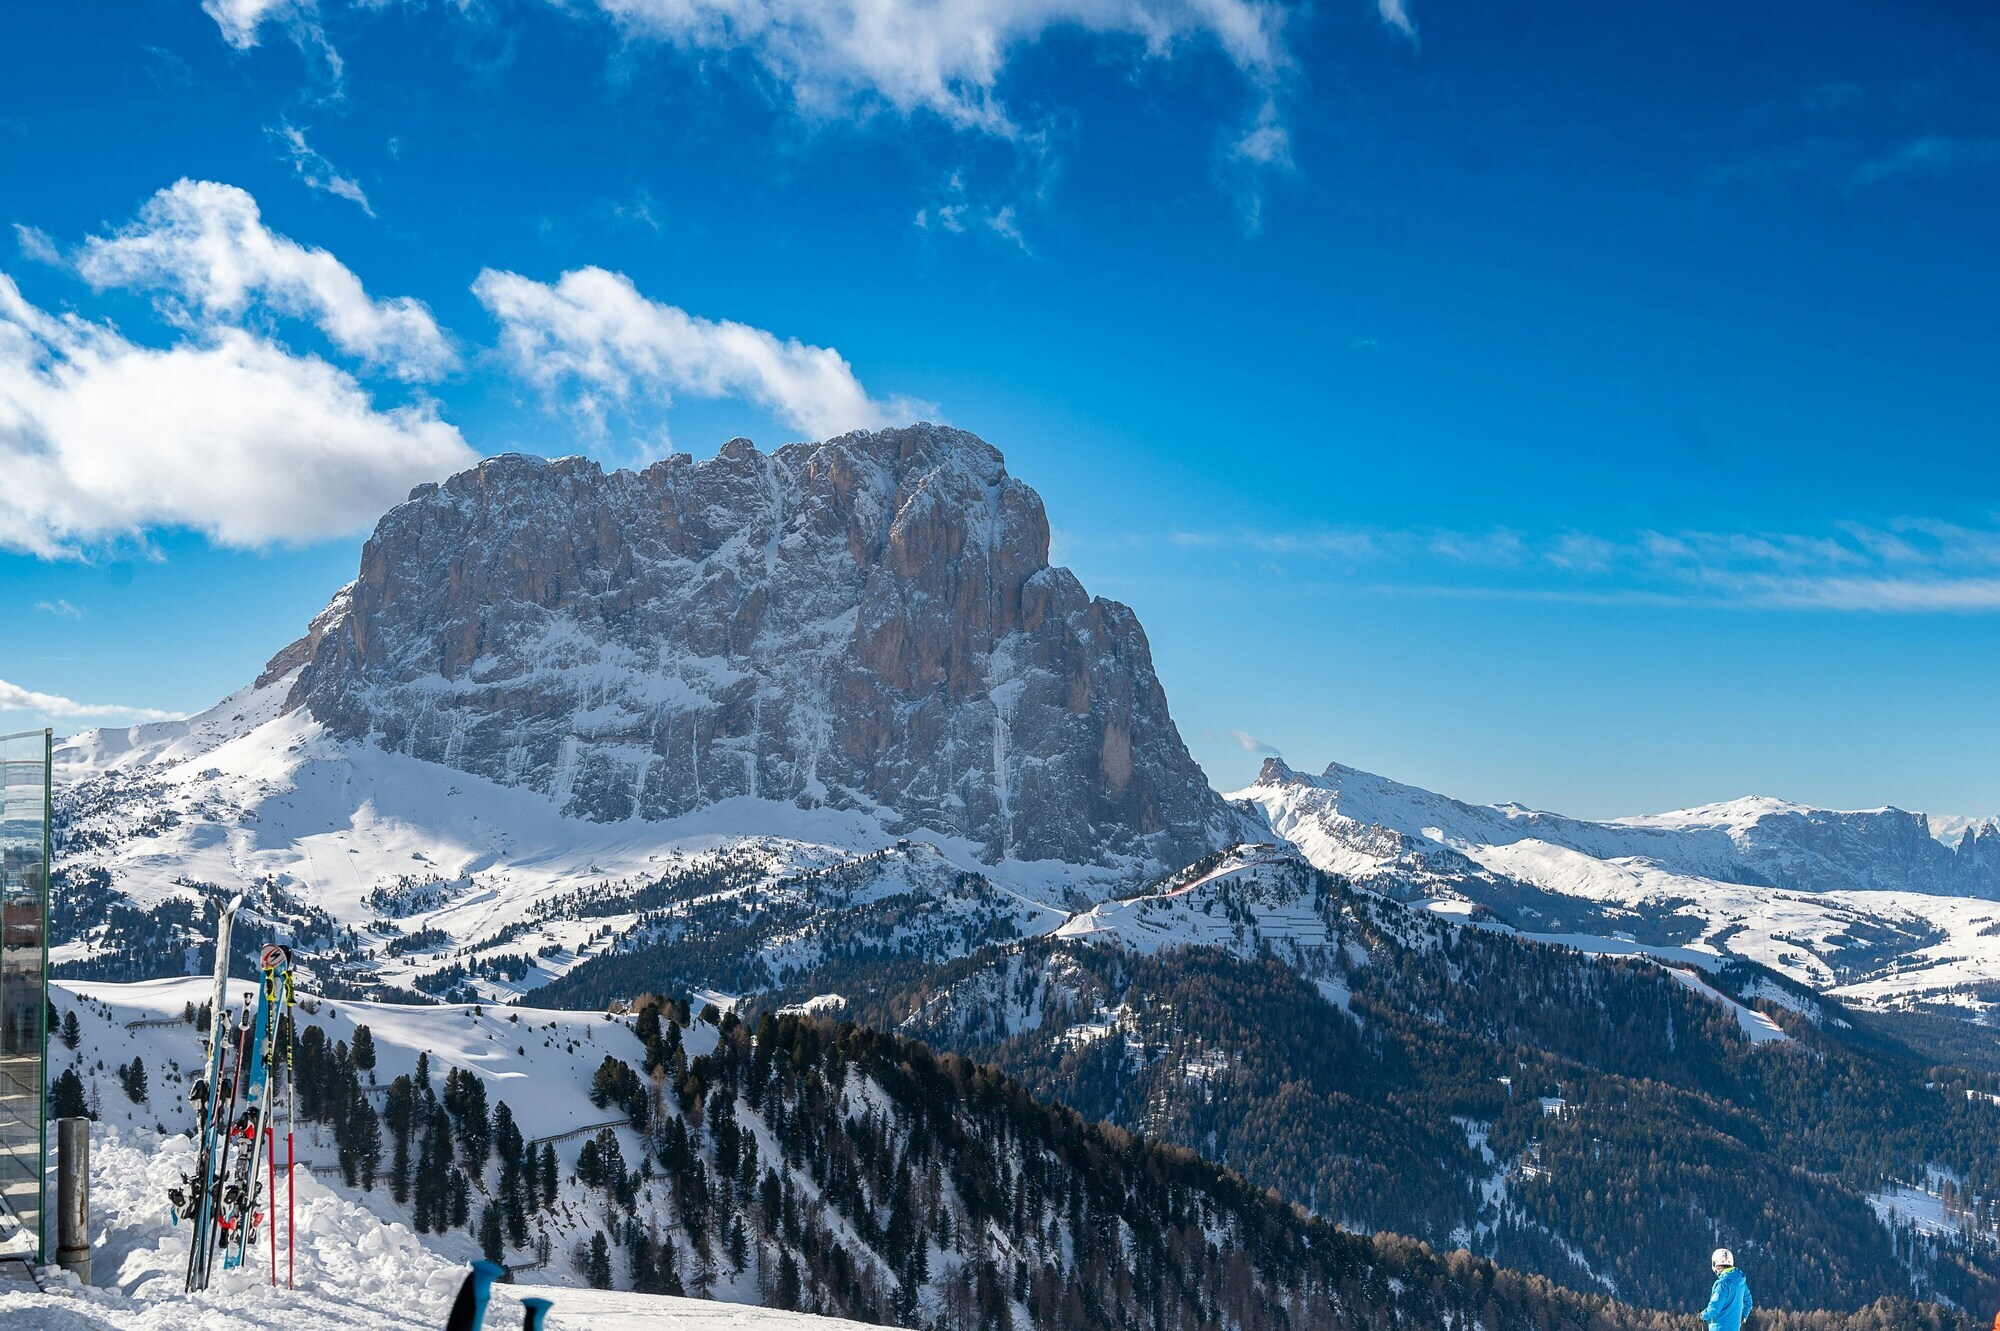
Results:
271 1212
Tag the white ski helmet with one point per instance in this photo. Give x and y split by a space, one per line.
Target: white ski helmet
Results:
1721 1259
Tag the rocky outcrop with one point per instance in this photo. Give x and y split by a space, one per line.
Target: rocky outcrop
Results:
868 623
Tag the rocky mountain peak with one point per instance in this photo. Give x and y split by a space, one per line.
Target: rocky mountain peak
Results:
866 623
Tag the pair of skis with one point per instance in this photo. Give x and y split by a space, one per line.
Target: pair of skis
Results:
236 1163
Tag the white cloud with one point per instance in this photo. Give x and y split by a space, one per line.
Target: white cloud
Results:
1396 14
240 19
232 436
314 170
60 608
242 22
35 244
14 698
204 248
592 330
942 56
1251 744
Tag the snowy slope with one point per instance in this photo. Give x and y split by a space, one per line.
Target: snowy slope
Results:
327 835
359 1265
1869 905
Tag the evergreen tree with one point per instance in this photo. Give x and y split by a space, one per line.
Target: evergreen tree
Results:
667 1271
400 1109
787 1295
639 1260
549 1176
739 1243
364 1049
66 1098
132 1077
489 1233
597 1267
459 1197
71 1034
475 1126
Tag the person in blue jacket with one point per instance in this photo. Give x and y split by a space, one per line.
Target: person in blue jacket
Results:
1729 1301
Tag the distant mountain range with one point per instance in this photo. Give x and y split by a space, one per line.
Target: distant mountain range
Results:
1869 905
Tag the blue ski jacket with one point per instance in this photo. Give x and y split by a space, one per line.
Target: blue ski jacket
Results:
1728 1302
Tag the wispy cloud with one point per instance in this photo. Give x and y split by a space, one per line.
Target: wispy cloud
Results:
61 609
1930 154
1909 565
1397 15
1251 744
954 212
852 60
14 698
315 172
37 245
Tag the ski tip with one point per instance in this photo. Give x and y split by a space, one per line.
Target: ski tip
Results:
532 1313
235 904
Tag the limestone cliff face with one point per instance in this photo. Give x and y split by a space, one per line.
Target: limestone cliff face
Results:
868 623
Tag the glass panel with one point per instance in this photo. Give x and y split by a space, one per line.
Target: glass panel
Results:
24 913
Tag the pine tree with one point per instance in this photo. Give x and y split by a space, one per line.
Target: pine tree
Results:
400 1109
66 1098
597 1267
475 1126
72 1035
489 1233
459 1196
739 1243
132 1077
787 1296
549 1175
668 1271
364 1049
639 1260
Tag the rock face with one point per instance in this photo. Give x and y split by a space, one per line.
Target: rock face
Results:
867 623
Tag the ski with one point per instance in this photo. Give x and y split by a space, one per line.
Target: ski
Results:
245 1191
198 1201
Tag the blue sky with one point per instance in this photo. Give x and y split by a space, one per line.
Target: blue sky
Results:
1587 405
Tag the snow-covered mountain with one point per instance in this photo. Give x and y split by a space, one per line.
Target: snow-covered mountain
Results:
551 683
869 624
1868 904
